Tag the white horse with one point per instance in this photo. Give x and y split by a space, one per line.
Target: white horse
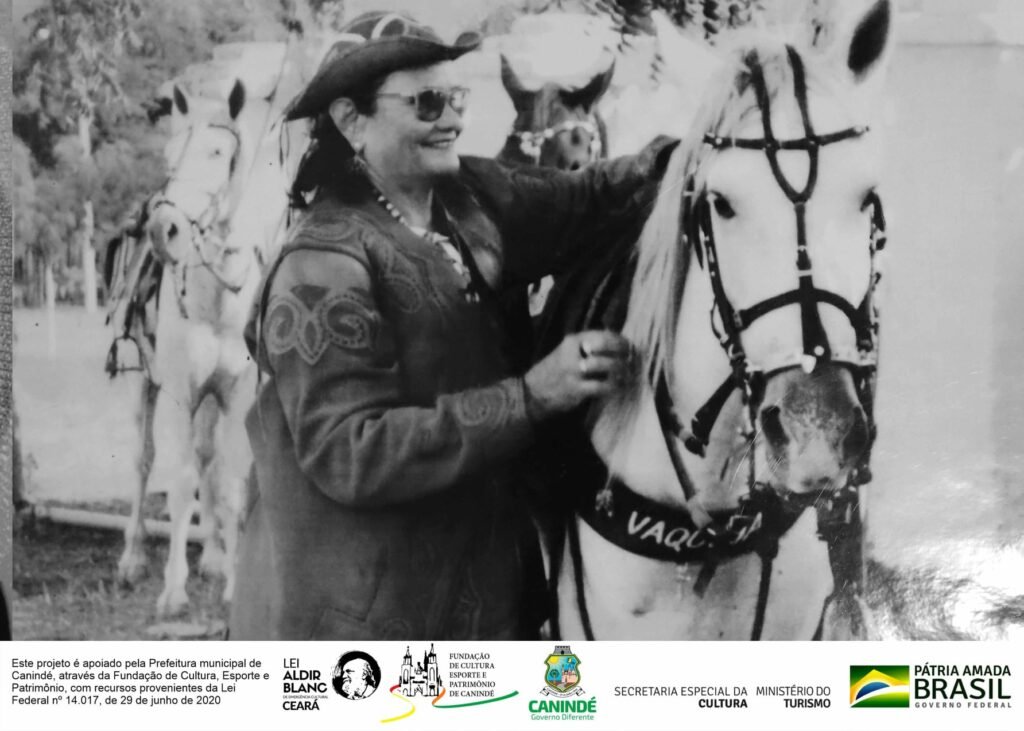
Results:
212 269
768 220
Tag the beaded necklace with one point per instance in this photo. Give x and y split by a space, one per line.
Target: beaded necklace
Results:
450 251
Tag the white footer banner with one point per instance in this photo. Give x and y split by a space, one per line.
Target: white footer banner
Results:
342 685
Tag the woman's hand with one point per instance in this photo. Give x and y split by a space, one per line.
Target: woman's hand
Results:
586 364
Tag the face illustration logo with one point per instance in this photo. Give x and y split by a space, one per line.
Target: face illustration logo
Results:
879 686
356 675
562 673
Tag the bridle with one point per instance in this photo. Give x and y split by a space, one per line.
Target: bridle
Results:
838 515
204 227
531 142
729 323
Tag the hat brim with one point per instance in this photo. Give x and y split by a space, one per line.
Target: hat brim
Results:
371 60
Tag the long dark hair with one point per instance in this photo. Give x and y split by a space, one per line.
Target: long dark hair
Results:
329 159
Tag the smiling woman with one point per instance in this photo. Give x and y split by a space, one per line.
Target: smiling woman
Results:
396 403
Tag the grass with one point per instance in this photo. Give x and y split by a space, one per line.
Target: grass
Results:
80 440
66 589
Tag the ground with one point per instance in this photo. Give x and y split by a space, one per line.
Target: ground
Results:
80 440
64 579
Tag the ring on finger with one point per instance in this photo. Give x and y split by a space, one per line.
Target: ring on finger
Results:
583 366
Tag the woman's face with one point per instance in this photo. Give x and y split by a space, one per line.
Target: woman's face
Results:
400 146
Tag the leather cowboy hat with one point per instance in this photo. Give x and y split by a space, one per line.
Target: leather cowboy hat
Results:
372 45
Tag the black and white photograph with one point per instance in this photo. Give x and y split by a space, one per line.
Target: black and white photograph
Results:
562 320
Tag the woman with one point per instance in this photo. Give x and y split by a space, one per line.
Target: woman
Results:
386 434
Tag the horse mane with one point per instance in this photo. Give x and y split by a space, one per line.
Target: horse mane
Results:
664 249
548 97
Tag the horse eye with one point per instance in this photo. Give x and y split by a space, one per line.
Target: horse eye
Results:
722 207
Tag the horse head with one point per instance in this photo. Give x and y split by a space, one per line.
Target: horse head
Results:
557 126
202 158
768 219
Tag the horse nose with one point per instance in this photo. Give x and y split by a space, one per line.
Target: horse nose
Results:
165 230
162 231
813 427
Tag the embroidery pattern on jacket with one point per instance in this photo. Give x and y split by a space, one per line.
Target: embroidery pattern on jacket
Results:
309 319
485 406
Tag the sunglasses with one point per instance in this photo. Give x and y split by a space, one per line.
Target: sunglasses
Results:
430 102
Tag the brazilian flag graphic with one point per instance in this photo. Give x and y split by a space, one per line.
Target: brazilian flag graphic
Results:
879 686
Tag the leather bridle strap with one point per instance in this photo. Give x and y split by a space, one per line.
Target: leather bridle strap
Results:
815 339
211 213
531 142
816 346
202 226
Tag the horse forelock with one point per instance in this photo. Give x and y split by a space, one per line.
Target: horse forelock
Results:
185 134
544 110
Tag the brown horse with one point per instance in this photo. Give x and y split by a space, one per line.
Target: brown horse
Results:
554 127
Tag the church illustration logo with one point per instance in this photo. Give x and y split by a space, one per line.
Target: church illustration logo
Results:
423 678
466 683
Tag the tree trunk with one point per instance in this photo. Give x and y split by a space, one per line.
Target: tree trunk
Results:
50 288
88 259
88 221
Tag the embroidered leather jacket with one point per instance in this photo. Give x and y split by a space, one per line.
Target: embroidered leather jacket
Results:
390 417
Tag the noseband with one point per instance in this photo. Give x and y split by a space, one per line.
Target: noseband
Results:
531 142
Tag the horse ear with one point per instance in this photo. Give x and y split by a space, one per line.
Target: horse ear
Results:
236 100
591 94
520 96
180 100
158 107
870 40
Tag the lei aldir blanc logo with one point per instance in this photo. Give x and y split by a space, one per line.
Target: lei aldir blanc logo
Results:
880 686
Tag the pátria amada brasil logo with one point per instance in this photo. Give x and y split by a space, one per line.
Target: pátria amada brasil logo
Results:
880 686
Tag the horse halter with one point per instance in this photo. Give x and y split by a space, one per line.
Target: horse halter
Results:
208 218
531 142
747 377
202 227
